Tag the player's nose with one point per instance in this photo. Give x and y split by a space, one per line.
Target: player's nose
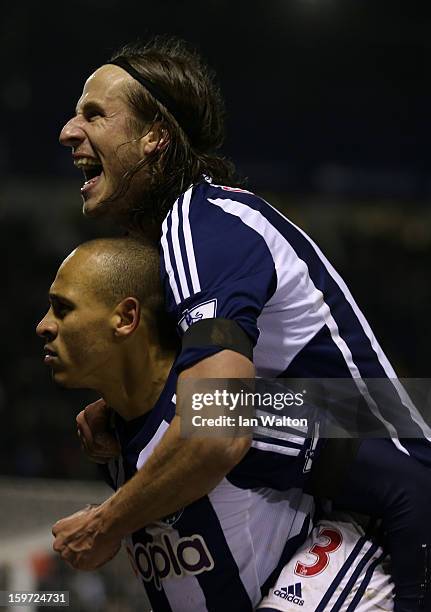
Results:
72 133
47 328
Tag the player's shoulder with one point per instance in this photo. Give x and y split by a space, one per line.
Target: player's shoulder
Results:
212 193
214 231
209 208
206 204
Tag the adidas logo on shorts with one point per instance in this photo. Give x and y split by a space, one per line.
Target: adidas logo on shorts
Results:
291 593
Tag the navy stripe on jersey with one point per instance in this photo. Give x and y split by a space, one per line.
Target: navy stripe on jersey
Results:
365 359
224 580
419 449
289 550
353 578
157 598
134 435
190 260
323 351
182 245
175 252
169 258
343 571
341 309
243 293
365 582
269 469
350 327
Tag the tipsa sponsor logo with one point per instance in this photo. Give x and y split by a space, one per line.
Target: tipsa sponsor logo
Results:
167 558
292 593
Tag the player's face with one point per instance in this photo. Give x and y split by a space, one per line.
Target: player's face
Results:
76 329
105 143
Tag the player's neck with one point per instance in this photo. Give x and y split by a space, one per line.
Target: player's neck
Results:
136 384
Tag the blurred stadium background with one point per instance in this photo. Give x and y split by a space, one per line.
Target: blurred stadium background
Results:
328 107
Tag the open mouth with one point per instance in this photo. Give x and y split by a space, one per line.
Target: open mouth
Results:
49 355
92 170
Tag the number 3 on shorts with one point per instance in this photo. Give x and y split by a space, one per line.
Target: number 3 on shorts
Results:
321 552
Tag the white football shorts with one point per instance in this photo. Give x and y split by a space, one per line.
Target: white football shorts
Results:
337 568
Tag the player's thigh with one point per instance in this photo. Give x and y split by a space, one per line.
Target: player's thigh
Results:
336 566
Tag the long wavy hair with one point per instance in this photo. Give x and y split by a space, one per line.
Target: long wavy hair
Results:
178 70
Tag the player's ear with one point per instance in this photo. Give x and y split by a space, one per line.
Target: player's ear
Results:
156 138
126 316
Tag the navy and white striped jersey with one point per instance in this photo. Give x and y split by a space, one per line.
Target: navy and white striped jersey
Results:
338 568
228 253
225 550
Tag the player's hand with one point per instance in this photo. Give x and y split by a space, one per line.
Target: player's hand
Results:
97 439
81 541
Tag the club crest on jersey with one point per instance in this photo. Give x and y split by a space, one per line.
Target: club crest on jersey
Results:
206 310
292 593
170 558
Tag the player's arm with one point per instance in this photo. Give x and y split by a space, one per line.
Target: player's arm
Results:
179 471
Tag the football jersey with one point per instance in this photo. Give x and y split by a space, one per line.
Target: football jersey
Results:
338 568
227 253
227 547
